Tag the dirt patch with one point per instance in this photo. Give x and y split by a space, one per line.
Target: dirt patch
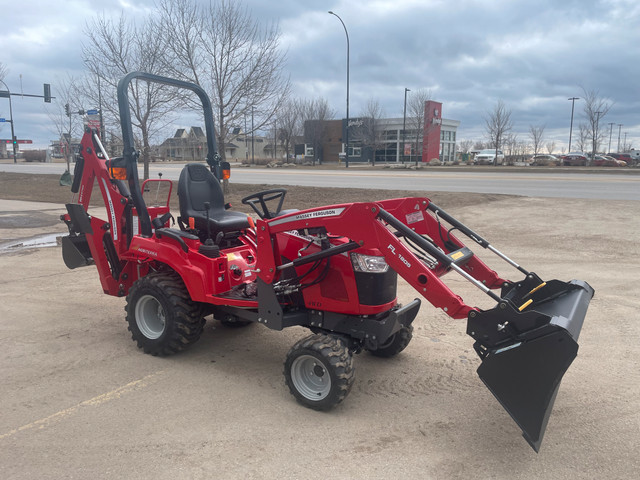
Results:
221 409
47 188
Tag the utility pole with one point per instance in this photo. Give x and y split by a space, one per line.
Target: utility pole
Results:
611 124
404 122
100 111
619 130
67 109
7 94
573 101
246 140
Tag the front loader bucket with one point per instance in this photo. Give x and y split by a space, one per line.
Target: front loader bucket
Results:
527 343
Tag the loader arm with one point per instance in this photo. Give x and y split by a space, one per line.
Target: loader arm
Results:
366 224
526 342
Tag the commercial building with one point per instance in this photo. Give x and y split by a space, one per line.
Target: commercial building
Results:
384 140
388 140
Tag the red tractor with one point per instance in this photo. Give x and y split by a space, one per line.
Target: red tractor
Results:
331 269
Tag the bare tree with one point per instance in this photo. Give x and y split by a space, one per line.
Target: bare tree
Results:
224 50
181 23
371 130
536 134
65 126
115 48
511 147
313 115
583 137
289 125
595 109
415 119
479 145
465 146
497 124
551 146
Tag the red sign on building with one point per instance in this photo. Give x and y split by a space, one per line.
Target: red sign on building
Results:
431 132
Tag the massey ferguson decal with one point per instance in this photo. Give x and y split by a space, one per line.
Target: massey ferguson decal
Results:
112 213
330 212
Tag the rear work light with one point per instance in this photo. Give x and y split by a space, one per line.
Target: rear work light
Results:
118 173
369 263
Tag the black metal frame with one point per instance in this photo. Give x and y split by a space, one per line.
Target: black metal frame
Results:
129 154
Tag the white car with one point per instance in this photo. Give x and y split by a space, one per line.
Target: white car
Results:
635 156
486 157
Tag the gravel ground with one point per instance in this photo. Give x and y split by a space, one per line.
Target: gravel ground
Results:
79 400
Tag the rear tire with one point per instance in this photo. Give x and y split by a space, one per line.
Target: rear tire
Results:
395 344
319 371
162 317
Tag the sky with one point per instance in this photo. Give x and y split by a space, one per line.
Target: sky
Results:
532 55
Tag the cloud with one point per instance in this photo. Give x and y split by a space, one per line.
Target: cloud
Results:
532 55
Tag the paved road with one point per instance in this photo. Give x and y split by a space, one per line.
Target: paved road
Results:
561 184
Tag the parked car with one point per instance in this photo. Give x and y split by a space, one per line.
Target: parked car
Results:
635 156
622 156
607 161
574 159
486 157
546 161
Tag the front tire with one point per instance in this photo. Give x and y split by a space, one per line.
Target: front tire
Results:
319 371
162 317
395 344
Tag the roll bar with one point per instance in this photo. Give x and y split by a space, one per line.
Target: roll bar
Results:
129 153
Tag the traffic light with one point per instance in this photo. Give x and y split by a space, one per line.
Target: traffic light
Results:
67 110
47 93
15 140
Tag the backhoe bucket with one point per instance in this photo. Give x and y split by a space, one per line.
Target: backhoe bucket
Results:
527 343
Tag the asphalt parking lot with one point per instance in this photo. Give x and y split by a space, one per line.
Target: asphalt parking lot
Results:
79 400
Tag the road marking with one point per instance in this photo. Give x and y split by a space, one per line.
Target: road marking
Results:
92 402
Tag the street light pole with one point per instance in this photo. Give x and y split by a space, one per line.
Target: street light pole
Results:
573 101
346 162
253 160
404 121
611 124
13 135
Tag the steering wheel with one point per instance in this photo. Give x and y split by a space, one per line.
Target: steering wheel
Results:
262 198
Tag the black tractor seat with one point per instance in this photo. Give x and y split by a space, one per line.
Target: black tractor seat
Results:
196 186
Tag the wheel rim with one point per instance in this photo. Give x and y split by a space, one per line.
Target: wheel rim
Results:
150 317
310 378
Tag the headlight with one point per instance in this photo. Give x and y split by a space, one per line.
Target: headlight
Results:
368 263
